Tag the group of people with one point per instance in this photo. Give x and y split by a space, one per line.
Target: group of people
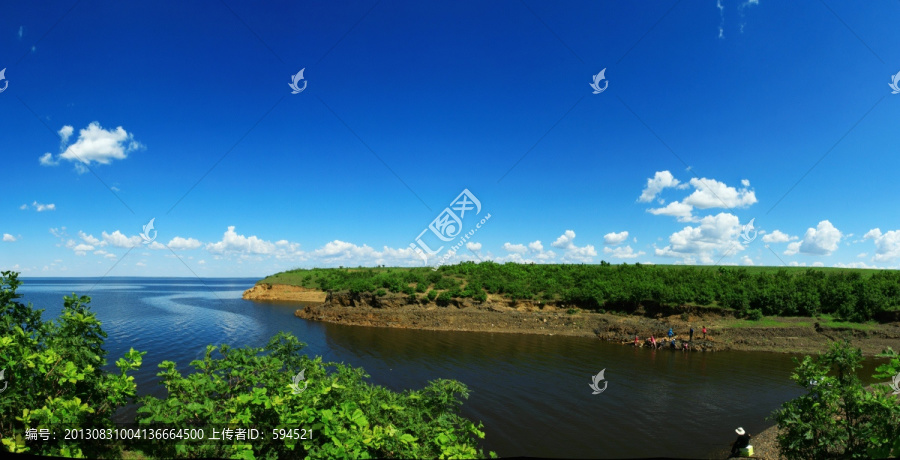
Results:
654 343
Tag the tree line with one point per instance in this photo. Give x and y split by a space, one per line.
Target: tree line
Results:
850 295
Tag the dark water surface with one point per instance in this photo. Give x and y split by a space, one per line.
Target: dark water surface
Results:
531 392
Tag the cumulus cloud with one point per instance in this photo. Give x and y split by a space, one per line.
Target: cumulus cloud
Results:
119 240
622 252
515 248
613 238
661 180
94 144
474 247
674 209
746 260
778 236
572 252
822 240
8 238
90 239
536 246
710 193
714 234
184 243
234 243
887 245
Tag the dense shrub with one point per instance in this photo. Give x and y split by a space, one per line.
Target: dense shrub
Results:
848 295
55 377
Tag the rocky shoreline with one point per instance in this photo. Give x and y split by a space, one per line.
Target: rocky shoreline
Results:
528 317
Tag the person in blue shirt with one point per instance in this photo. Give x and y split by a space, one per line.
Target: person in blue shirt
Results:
671 332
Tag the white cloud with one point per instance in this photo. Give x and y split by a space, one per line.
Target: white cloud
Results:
887 245
119 240
818 264
94 144
778 236
574 253
792 248
475 247
674 209
21 31
714 234
23 207
615 238
40 207
854 265
89 239
710 193
661 180
746 260
536 246
8 238
184 243
234 243
155 245
82 249
821 240
515 248
622 252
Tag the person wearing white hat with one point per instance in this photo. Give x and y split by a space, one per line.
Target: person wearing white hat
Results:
742 443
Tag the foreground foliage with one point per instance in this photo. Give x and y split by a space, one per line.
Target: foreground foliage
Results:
56 381
847 294
55 377
838 417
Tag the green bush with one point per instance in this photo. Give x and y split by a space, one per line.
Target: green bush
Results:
443 299
432 294
754 314
838 417
54 374
380 293
55 379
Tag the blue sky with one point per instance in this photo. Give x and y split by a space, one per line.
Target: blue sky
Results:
715 115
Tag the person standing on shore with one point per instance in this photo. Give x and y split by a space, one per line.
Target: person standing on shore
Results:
671 332
692 333
636 343
704 332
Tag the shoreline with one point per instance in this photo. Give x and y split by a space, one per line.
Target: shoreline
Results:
775 334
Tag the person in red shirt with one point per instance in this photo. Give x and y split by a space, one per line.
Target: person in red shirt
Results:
704 332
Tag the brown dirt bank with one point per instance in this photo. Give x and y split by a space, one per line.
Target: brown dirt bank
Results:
283 292
796 335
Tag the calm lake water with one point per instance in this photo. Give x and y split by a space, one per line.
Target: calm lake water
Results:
531 392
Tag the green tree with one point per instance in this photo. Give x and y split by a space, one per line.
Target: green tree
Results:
55 376
838 417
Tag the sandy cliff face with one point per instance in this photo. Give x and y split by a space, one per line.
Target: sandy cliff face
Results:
283 292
